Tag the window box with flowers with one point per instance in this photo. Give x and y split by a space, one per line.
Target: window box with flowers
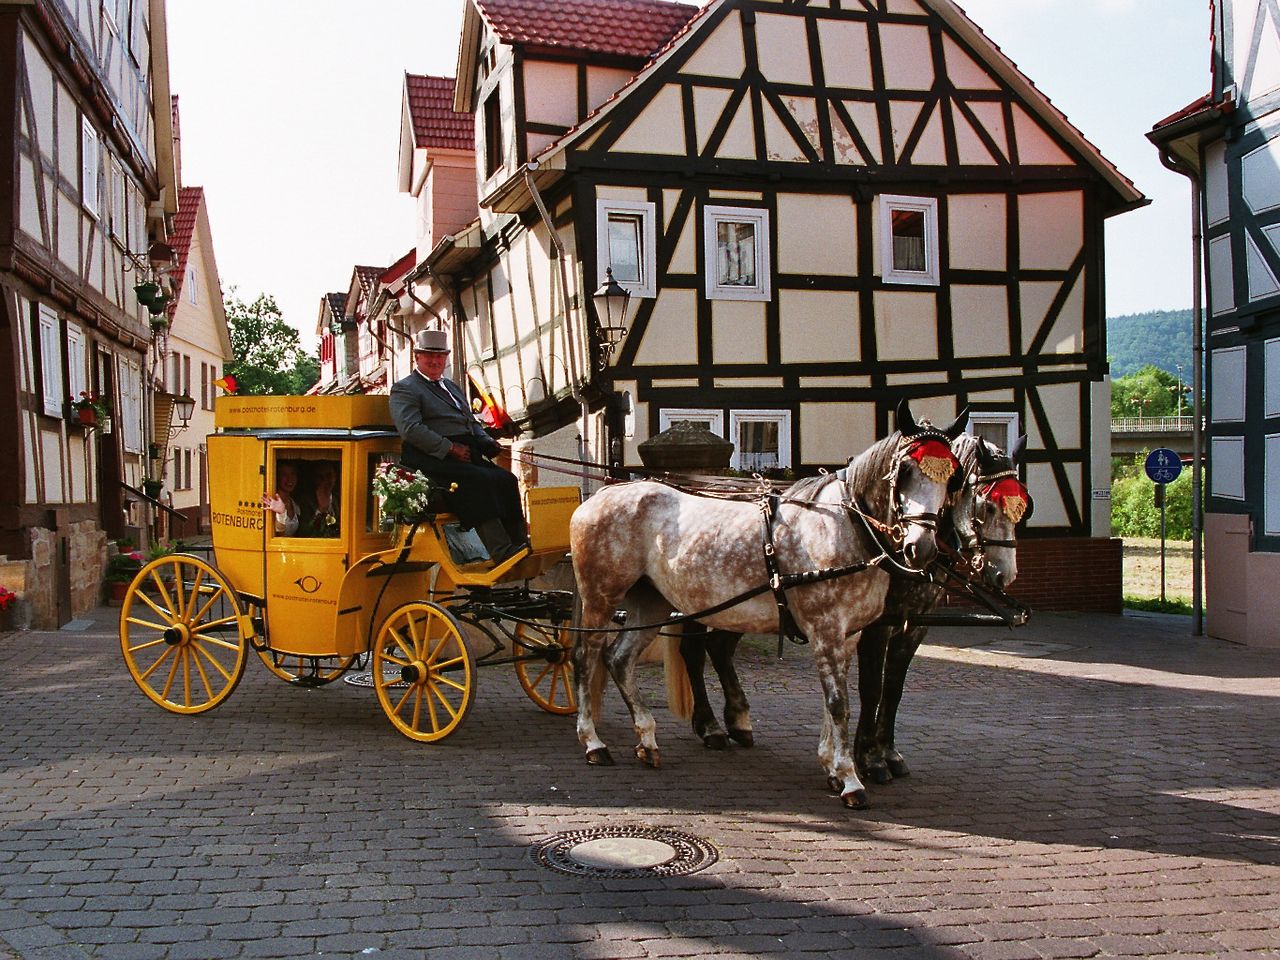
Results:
90 410
121 569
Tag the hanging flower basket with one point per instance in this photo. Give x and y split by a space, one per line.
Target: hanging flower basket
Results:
152 488
89 409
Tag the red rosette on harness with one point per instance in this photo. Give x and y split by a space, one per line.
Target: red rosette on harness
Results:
1010 496
935 459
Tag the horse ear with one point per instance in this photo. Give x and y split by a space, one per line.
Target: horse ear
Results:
986 458
1019 448
906 422
958 424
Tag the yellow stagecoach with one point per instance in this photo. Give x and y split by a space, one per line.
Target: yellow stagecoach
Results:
312 607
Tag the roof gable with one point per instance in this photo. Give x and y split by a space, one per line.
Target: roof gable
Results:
923 87
429 101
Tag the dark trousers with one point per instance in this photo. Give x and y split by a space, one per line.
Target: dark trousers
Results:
485 491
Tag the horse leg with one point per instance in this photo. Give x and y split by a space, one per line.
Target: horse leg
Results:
902 649
833 748
693 651
589 674
737 712
621 657
867 752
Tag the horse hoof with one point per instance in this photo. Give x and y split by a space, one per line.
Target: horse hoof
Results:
835 784
600 757
650 758
878 773
743 738
856 800
716 741
899 768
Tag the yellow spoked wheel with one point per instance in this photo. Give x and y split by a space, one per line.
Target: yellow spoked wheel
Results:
422 671
184 638
547 680
305 671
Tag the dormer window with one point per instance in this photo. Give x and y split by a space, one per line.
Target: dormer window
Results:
492 133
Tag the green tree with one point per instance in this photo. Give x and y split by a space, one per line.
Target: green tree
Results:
1150 392
267 352
1133 509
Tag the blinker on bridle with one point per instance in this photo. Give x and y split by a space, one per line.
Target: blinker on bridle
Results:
931 450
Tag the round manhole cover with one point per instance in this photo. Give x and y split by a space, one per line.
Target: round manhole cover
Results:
626 852
391 678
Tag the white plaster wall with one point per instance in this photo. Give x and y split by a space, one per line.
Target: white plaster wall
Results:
1049 511
907 56
831 433
1050 229
783 49
980 321
551 92
1100 457
1035 147
817 235
671 336
976 231
604 82
1222 298
721 54
737 332
819 326
906 325
846 56
963 71
1217 203
708 105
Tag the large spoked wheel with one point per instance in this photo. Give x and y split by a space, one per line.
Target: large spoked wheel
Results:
182 633
305 671
547 680
422 671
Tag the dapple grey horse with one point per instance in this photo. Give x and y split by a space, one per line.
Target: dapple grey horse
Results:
645 550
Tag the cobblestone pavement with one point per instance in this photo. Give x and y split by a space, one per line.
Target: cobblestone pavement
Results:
1086 786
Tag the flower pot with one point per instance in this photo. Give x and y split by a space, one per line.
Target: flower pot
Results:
87 416
116 592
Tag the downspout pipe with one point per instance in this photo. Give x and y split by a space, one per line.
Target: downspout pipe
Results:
1197 386
557 253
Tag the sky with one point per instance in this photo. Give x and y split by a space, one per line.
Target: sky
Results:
291 122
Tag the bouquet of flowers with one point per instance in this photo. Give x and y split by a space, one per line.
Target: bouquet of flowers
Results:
7 597
402 493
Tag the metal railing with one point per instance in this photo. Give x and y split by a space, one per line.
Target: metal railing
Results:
1153 425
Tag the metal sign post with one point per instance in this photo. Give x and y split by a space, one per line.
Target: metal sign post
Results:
1163 466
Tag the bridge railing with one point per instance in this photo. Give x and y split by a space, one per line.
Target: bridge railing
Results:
1152 425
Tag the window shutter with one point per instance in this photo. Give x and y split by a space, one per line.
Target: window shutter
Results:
52 391
76 366
89 164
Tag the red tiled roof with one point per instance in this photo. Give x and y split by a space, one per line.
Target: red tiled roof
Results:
399 268
368 277
337 306
1191 109
184 228
431 109
628 28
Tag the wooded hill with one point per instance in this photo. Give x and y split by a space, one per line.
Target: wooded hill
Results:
1159 337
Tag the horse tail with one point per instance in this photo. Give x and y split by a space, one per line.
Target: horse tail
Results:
679 689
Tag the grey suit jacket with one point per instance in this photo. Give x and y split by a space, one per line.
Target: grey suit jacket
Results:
426 420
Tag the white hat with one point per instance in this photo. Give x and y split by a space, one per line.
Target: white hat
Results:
431 341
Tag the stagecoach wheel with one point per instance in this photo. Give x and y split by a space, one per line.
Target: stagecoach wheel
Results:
547 680
305 671
184 638
422 671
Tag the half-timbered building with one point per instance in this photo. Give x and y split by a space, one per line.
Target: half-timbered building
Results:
86 154
1228 142
818 208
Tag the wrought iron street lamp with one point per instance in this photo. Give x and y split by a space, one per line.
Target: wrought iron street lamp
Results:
614 310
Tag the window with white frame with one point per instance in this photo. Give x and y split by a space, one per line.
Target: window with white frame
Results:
761 439
626 243
191 283
909 239
130 406
51 383
712 420
737 258
90 166
997 427
1226 402
482 320
118 216
77 375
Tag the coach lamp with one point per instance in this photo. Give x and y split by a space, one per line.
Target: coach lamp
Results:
613 315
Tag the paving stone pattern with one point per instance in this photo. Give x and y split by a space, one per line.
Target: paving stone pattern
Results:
1115 796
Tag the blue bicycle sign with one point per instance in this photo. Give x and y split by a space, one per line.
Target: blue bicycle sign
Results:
1163 465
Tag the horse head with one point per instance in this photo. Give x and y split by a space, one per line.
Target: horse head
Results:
987 520
924 474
